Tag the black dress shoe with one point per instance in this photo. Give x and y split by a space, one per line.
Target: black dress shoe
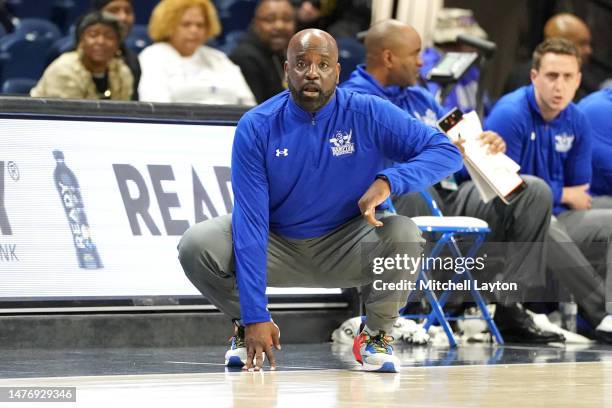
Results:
603 336
531 335
517 326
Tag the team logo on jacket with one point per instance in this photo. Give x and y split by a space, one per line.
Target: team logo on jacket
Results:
341 143
428 118
563 142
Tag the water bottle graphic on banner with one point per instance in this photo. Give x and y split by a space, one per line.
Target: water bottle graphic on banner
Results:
70 194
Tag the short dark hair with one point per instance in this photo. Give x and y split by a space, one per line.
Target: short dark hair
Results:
554 45
97 17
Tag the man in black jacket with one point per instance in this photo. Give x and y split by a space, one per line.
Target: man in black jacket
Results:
260 54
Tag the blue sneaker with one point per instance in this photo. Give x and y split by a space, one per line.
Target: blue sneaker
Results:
375 353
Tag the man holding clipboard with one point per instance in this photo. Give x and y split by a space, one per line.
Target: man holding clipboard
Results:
391 71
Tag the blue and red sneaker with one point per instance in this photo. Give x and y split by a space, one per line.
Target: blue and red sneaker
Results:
375 353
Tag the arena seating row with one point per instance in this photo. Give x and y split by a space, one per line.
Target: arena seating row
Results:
41 36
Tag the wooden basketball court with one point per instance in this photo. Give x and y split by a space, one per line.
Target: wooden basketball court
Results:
322 375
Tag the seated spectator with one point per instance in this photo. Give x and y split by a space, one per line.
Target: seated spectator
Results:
573 29
260 54
124 12
93 71
179 68
451 23
597 108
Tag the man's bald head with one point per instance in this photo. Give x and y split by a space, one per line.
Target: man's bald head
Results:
389 35
315 39
312 68
571 28
393 53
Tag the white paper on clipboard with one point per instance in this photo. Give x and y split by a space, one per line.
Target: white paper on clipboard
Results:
493 174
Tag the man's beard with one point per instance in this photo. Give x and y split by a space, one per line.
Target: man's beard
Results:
307 103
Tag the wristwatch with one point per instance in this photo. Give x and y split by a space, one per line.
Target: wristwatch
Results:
385 178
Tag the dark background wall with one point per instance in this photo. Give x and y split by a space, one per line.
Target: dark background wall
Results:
516 26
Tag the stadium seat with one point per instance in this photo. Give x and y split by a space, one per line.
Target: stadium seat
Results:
59 47
23 56
235 15
230 41
138 38
31 8
350 53
39 28
448 229
68 11
18 86
142 10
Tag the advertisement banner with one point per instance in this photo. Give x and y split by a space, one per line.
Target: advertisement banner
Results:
97 208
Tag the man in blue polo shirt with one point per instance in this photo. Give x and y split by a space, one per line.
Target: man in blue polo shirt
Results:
391 72
550 138
597 107
309 171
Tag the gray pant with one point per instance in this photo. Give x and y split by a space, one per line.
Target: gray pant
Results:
524 221
602 202
591 230
340 259
568 264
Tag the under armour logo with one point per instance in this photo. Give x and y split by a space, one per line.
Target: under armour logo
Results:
283 152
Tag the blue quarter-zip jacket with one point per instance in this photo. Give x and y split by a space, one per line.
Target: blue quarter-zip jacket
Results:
597 107
301 175
558 151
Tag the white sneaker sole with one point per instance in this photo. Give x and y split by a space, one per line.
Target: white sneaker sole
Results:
386 367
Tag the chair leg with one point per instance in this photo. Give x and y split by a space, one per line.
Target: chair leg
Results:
475 294
436 314
485 313
439 316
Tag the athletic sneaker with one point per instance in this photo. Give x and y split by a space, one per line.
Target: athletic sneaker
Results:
374 352
236 356
604 329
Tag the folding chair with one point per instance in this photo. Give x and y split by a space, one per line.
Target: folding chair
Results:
448 229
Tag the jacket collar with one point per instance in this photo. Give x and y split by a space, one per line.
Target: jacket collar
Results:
387 92
534 106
